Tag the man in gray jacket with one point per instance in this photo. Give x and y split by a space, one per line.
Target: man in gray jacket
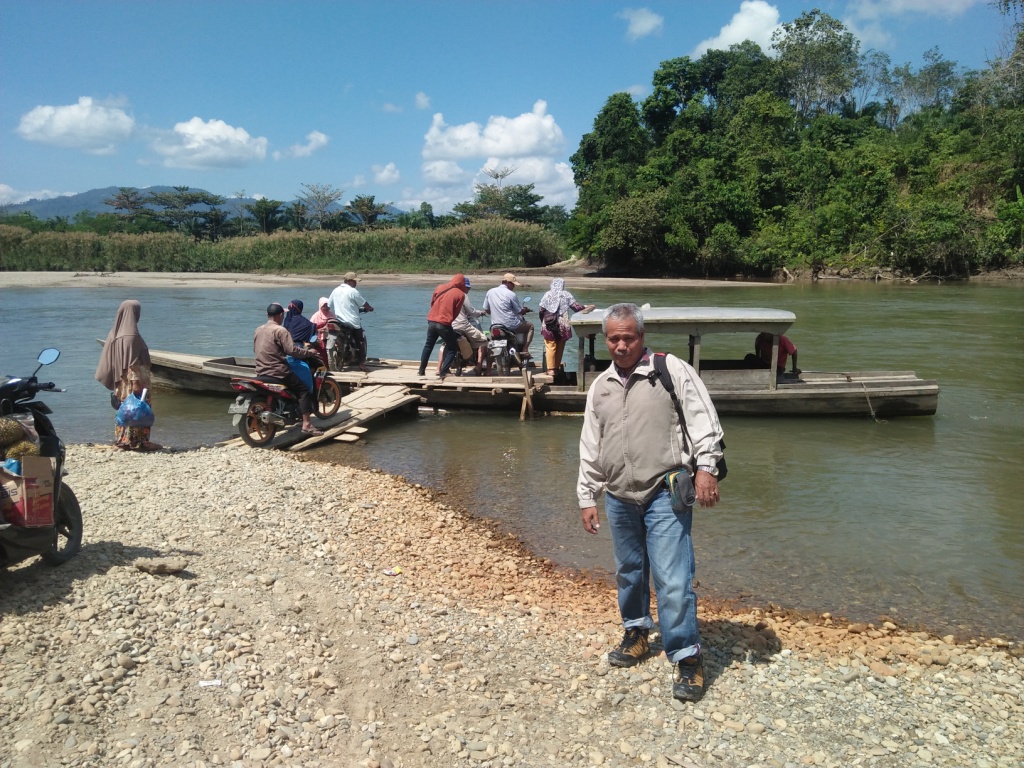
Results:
631 438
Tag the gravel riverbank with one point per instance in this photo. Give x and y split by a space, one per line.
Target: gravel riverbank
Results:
327 616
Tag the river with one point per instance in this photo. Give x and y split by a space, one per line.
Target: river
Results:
917 519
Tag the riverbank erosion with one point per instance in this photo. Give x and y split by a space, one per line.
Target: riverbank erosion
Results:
240 607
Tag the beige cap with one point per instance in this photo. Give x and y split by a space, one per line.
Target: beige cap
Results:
510 278
350 276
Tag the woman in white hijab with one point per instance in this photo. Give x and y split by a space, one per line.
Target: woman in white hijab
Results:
124 368
555 308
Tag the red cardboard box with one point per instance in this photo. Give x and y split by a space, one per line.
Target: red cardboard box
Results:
27 499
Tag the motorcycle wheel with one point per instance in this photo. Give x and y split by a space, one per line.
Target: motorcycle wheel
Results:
334 357
328 399
503 363
253 431
67 536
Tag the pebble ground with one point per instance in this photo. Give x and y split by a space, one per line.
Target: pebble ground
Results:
325 616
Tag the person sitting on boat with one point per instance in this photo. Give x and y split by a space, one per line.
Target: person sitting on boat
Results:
763 351
506 311
347 303
272 345
555 307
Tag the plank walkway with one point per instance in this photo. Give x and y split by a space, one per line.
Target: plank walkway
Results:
359 407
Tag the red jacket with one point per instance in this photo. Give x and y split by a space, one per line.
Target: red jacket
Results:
446 303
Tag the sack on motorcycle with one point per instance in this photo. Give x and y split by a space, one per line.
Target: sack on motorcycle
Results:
26 500
135 412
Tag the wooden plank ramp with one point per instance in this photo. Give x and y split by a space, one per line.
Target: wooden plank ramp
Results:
358 408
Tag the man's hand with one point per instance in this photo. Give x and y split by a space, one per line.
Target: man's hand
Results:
706 486
589 515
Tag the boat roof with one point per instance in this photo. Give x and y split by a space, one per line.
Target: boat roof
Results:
698 321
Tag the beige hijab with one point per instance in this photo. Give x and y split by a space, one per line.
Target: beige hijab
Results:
124 346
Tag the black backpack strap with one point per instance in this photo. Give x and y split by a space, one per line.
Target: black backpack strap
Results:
660 373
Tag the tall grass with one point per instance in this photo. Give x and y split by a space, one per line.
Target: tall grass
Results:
494 243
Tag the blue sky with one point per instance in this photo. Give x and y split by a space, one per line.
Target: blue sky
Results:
406 101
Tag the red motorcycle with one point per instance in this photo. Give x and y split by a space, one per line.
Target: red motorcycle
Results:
267 404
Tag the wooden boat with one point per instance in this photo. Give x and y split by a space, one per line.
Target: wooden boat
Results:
735 388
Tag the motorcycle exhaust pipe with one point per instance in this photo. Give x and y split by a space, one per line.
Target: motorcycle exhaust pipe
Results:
268 417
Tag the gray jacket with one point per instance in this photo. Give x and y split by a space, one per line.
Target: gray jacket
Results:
631 435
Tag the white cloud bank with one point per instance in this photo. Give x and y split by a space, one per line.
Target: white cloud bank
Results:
641 22
88 125
529 142
531 133
11 196
422 101
211 144
756 20
314 140
385 174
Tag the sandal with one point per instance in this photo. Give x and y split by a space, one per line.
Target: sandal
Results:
313 432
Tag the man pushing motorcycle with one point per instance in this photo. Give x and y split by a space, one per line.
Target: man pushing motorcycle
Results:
272 345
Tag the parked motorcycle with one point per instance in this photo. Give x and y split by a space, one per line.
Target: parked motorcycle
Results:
61 541
267 404
343 348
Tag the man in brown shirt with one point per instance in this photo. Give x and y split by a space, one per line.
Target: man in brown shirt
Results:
272 344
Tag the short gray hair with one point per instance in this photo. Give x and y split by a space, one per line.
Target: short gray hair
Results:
624 311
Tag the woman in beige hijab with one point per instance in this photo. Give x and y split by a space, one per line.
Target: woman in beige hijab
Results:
124 369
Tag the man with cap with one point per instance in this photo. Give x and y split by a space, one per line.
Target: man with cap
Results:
346 303
445 305
272 344
505 309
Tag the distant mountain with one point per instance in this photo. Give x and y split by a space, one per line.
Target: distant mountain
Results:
67 206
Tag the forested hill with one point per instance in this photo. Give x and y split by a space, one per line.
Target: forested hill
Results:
816 157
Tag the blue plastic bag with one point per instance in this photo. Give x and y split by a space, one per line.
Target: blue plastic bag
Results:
135 412
301 369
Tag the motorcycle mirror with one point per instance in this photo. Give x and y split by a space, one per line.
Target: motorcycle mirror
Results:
48 355
312 338
527 299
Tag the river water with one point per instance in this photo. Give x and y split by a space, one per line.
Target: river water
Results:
918 519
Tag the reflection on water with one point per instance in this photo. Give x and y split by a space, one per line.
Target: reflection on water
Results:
919 519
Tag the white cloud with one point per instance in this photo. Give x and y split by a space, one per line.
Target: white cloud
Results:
422 101
211 144
638 90
11 196
876 9
314 140
444 172
88 125
756 20
531 133
642 22
392 108
385 174
358 181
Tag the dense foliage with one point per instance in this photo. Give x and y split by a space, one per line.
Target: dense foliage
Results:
484 244
817 157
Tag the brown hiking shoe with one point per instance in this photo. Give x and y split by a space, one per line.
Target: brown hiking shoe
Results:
632 650
688 679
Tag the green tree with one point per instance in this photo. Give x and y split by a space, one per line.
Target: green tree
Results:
318 199
819 57
365 211
266 213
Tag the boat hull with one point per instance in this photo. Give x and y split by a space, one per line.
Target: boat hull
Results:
883 394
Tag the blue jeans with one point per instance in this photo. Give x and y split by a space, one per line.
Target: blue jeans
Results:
652 539
451 346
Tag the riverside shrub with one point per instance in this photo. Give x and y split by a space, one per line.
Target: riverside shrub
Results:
477 245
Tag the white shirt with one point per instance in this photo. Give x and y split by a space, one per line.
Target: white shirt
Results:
345 302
